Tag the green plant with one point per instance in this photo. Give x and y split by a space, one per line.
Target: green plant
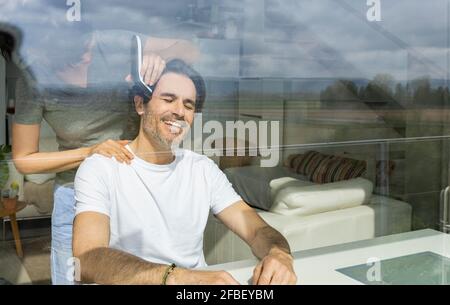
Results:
5 149
4 170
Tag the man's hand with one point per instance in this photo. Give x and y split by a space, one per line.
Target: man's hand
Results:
182 276
276 266
275 269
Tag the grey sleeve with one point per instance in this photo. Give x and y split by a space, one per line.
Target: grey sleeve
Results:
112 54
29 108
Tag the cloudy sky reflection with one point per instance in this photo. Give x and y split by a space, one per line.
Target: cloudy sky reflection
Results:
275 38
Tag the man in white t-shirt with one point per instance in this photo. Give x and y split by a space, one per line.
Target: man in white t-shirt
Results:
143 222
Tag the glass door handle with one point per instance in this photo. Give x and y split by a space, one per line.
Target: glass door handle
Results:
445 211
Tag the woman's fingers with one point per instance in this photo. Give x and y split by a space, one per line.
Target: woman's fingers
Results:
120 148
109 153
103 153
115 149
149 70
159 69
144 66
152 68
122 156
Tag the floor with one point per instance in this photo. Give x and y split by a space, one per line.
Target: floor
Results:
34 267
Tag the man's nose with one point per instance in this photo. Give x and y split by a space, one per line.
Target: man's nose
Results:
179 109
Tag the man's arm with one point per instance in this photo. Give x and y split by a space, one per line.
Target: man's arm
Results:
102 265
276 266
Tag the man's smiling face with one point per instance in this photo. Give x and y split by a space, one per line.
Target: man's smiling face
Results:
170 113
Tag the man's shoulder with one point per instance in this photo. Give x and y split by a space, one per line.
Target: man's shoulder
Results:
97 164
191 156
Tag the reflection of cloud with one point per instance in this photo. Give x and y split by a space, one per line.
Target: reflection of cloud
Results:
341 25
322 38
373 62
345 32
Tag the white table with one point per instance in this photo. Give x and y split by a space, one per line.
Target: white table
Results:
318 266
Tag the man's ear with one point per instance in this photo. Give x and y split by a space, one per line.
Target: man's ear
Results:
139 104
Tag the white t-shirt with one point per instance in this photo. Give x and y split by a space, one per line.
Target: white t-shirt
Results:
157 212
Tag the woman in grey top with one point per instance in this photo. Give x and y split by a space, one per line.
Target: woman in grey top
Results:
86 103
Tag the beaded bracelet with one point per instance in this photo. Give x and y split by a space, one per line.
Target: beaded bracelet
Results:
169 270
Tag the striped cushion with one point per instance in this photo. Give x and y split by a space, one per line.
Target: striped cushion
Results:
297 162
303 163
315 162
338 169
316 175
322 168
294 160
309 163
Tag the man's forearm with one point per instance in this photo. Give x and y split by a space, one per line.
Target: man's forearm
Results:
110 266
267 239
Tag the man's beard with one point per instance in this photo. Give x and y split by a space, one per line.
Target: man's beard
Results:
153 132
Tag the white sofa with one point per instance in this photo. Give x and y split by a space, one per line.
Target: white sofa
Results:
381 216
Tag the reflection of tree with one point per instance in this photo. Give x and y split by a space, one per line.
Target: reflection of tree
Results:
384 89
341 90
401 94
379 89
421 90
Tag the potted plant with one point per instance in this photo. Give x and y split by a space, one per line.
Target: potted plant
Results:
5 156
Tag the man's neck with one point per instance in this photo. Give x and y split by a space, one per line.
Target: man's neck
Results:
148 151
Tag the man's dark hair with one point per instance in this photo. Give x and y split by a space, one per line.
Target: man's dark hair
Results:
180 67
7 45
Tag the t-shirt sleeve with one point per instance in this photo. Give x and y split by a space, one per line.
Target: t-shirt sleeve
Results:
91 187
222 193
29 108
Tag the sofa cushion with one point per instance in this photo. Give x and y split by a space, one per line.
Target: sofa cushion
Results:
252 183
40 178
303 164
337 169
276 185
314 199
323 168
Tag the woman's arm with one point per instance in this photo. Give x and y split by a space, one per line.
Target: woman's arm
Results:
159 51
170 49
28 159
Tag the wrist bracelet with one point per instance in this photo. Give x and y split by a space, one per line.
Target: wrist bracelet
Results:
168 271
